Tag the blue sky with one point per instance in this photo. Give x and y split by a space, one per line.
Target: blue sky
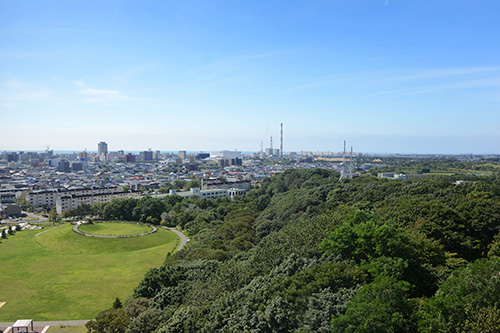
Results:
387 76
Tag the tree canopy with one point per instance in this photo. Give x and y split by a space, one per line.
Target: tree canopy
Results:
306 252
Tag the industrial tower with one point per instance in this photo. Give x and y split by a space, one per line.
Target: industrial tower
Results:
345 168
281 142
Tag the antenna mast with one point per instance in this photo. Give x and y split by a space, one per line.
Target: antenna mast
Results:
345 170
350 164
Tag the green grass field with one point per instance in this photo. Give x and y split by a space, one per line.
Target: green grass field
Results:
67 329
60 275
114 229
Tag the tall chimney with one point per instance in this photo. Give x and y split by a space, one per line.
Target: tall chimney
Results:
281 143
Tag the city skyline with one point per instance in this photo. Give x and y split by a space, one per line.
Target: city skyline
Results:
388 77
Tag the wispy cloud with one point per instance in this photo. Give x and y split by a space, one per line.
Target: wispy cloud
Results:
383 84
17 91
419 90
14 84
439 80
326 81
100 96
446 73
227 70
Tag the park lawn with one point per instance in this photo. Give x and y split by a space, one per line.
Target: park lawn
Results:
114 229
67 329
61 275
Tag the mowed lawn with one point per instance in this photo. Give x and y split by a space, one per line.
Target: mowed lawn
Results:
114 229
60 275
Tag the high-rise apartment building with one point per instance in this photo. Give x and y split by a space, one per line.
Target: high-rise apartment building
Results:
129 158
63 166
102 148
146 155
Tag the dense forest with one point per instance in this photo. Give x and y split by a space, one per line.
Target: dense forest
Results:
305 252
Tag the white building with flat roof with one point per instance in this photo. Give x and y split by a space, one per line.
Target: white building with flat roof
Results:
71 202
210 194
225 154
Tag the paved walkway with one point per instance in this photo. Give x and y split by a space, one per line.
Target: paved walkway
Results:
37 218
51 323
183 237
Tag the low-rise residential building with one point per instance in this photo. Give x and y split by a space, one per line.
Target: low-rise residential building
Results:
10 210
7 197
212 193
48 198
71 202
395 175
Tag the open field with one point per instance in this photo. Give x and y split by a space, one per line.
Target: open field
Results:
67 329
114 229
60 275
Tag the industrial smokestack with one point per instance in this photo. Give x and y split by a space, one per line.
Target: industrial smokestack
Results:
281 142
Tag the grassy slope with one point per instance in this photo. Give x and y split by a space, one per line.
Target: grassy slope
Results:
60 275
114 229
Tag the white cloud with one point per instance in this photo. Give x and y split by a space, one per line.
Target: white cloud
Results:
15 84
100 96
439 80
19 92
447 72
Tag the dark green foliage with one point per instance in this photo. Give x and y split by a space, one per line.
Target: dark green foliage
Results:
383 249
158 278
117 304
471 293
119 209
84 209
323 306
136 305
112 320
326 275
147 321
149 210
4 234
381 306
361 239
482 218
255 264
494 247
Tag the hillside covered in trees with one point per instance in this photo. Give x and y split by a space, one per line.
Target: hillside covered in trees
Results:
306 252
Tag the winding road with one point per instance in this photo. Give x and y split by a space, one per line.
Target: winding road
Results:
183 237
